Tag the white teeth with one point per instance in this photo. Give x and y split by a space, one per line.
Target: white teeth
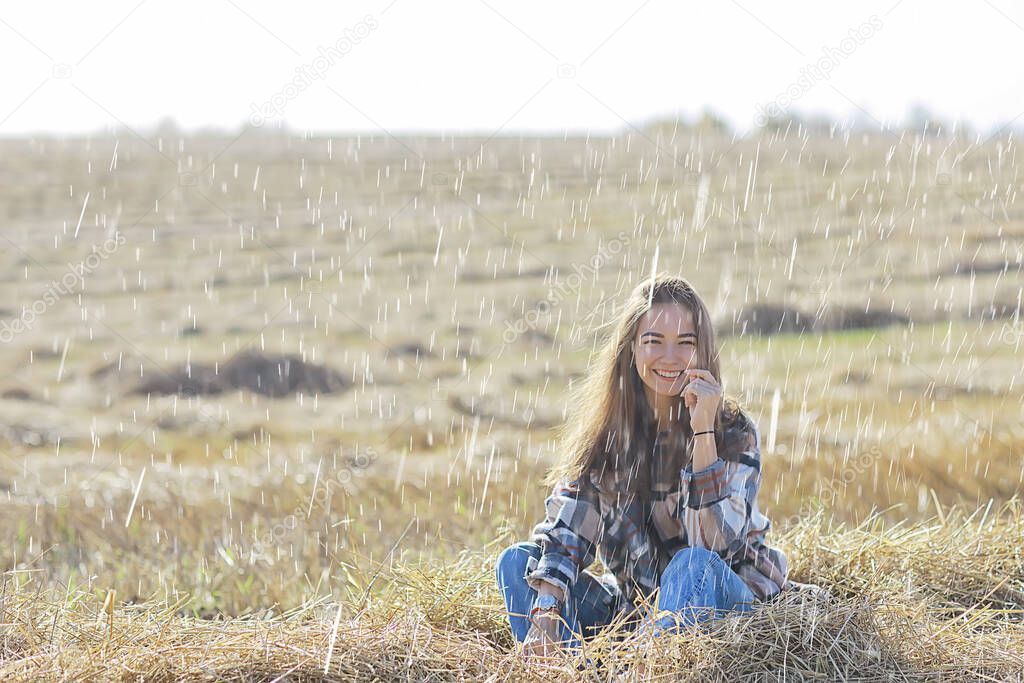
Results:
668 375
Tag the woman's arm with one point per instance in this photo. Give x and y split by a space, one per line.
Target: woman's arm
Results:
719 500
568 536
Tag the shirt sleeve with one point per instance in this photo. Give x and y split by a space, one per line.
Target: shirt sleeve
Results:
568 536
718 502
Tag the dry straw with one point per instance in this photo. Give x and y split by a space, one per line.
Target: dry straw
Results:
937 600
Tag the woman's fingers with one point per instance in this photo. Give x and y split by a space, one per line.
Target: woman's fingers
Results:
537 651
687 395
700 387
701 377
540 642
691 387
697 388
533 647
699 372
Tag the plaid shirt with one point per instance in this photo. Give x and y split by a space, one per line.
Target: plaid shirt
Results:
715 508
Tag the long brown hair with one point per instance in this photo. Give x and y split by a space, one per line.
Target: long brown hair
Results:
612 427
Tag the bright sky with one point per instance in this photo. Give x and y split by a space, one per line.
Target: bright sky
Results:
487 66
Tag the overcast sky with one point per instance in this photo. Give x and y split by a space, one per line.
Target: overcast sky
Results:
408 65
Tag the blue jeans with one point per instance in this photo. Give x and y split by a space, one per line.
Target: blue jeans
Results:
696 585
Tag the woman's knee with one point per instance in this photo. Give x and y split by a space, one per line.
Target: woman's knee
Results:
693 557
512 561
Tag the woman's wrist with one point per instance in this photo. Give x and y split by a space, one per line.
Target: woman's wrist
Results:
545 604
543 617
705 447
548 588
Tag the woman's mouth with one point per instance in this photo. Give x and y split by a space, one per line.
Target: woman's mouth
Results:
665 374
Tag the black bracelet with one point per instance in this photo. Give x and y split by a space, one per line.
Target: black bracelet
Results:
710 431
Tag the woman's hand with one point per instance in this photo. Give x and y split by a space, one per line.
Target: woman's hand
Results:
542 638
701 394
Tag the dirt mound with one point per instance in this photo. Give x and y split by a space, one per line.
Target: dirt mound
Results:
412 349
18 394
30 435
1000 309
764 319
856 318
984 267
267 374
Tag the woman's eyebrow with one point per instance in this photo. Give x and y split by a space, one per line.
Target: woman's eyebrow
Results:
661 336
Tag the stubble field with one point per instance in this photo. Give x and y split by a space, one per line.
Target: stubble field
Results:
273 403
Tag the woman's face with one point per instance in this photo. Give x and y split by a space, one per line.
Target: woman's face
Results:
666 341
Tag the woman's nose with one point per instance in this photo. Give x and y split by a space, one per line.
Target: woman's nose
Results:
676 353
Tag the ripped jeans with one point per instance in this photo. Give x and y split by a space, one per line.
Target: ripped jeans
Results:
696 585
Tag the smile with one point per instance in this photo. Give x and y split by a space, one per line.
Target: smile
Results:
668 375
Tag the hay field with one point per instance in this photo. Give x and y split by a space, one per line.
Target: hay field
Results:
273 403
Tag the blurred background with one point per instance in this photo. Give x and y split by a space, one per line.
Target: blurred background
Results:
293 291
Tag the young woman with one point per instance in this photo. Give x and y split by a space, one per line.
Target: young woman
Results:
659 475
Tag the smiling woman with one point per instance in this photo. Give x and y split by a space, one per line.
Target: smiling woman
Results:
663 353
659 477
